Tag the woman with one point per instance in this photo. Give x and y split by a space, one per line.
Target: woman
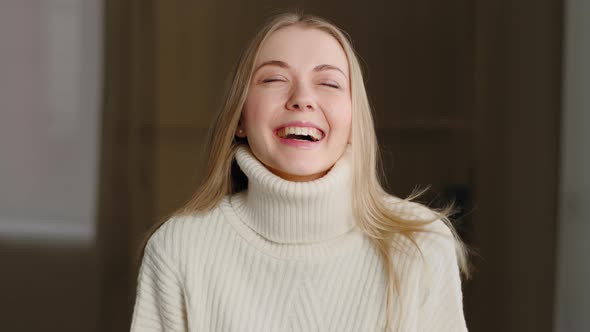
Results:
291 229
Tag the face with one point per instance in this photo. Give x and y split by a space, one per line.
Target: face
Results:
297 115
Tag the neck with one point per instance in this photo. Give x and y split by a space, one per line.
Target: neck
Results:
291 212
297 178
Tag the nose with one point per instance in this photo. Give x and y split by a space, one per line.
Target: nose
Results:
301 99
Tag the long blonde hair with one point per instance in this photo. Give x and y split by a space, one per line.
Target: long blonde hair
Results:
371 206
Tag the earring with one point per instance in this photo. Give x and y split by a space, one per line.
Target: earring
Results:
240 132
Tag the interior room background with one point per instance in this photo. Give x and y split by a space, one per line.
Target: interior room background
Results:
105 105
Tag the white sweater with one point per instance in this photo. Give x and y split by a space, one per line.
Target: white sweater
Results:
287 256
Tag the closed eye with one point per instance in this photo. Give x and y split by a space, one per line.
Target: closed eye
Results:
331 85
270 80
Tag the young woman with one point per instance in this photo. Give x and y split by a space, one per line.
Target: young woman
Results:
291 229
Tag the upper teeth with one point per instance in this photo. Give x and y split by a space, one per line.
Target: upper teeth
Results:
304 131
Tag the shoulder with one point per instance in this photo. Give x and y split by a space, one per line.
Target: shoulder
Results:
434 239
178 226
414 211
180 236
435 250
408 210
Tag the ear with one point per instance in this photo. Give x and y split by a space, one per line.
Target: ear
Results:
240 132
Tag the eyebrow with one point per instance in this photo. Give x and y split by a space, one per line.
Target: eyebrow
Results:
283 64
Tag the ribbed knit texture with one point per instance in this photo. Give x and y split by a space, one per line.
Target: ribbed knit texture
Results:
287 256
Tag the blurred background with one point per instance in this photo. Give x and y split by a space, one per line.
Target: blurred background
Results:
105 105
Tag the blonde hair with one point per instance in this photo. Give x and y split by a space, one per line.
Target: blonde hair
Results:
372 208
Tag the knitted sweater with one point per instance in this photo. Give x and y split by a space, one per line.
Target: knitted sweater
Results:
287 256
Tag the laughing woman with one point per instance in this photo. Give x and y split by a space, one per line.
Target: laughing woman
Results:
291 229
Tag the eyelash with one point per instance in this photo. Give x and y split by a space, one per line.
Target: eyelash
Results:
331 85
270 80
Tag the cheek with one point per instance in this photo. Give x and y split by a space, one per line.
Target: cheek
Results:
340 116
258 108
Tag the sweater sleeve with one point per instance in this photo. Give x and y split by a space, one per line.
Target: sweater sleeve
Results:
442 301
160 303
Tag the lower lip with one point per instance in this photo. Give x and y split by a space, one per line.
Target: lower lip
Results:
298 143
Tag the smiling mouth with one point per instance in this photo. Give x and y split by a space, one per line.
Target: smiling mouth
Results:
308 134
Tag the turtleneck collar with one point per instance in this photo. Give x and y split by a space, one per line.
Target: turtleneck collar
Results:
295 212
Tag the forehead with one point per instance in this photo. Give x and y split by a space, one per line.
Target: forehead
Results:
303 47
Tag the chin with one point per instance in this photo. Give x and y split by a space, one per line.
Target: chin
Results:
305 165
304 172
